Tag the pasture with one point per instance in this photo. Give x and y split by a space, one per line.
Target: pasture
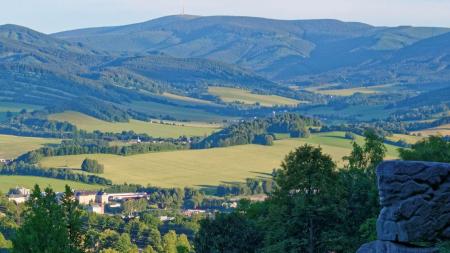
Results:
230 95
410 139
12 146
8 182
209 166
155 129
181 111
358 112
186 99
17 107
330 89
440 130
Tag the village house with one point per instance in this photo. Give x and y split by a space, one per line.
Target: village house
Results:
19 195
18 199
191 212
86 197
95 208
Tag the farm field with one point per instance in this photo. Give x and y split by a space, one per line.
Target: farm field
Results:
16 107
329 90
206 167
180 112
8 182
230 95
167 130
411 139
6 107
441 130
186 99
363 112
12 146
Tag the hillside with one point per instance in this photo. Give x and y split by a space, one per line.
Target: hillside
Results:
41 70
282 50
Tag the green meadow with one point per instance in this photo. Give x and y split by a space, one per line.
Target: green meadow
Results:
155 129
8 182
12 146
230 95
209 166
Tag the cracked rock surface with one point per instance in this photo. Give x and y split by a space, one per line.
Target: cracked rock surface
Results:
415 201
391 247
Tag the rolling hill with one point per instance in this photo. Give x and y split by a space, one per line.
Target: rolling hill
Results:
42 70
282 50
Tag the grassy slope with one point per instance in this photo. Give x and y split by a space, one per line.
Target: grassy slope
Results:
88 123
408 138
179 112
15 107
8 182
13 146
363 112
232 94
186 99
206 167
441 130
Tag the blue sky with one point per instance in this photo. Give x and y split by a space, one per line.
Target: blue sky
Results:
58 15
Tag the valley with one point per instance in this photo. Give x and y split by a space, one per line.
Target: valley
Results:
10 182
12 146
196 168
164 129
200 134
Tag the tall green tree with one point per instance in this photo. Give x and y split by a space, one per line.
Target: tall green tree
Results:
228 233
306 208
368 156
359 180
72 219
434 148
169 242
183 245
44 229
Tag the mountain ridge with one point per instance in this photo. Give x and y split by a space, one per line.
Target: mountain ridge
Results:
281 50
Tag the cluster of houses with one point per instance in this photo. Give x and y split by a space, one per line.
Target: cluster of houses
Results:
95 202
5 161
111 203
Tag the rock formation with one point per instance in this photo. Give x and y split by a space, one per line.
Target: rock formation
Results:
415 201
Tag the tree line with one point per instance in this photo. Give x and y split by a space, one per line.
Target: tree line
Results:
259 131
24 169
314 207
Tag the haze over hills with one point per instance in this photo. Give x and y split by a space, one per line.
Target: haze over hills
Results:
39 69
100 71
298 51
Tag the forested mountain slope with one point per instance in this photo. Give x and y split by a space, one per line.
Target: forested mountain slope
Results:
38 69
289 51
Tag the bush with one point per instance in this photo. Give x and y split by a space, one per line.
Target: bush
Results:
92 166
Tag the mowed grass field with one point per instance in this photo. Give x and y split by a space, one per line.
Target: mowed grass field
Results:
17 107
329 90
411 139
187 99
170 129
8 182
441 130
207 167
12 146
230 95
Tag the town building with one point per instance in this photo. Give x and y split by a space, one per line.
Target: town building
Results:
86 197
95 208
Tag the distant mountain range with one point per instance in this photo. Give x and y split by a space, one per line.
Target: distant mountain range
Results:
97 70
299 51
41 69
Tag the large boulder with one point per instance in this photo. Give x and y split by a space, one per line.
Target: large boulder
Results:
415 200
392 247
